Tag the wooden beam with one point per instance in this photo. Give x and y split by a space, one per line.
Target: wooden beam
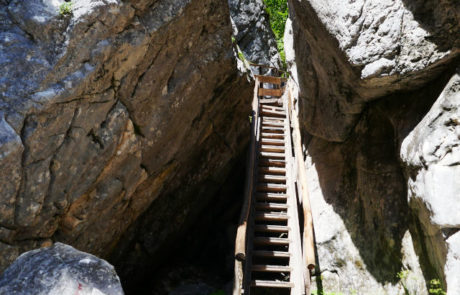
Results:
240 243
271 92
308 238
270 79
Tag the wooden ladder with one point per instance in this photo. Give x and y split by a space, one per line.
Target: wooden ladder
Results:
269 251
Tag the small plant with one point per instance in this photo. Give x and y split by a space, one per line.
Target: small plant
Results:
66 8
402 275
218 292
436 288
278 13
241 56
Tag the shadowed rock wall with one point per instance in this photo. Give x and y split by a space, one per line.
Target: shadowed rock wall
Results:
108 109
381 157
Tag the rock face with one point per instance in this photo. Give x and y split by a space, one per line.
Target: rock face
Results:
60 270
107 109
356 51
253 33
380 121
431 153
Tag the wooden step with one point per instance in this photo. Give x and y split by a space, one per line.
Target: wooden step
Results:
273 128
272 170
272 148
269 100
271 216
270 79
271 206
272 178
272 141
273 124
272 155
272 162
272 135
271 187
271 241
269 120
271 92
271 197
273 108
271 268
271 254
273 113
271 284
271 228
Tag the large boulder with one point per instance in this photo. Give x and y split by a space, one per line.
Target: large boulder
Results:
252 31
60 270
351 52
380 122
108 108
431 154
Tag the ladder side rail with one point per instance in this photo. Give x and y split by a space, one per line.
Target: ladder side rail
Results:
295 247
241 235
308 237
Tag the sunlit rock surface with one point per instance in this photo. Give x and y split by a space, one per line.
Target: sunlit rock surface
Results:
60 270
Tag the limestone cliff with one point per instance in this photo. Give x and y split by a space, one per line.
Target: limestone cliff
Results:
108 108
381 123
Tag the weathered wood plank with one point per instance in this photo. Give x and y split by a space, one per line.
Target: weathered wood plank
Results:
271 268
271 92
270 79
271 284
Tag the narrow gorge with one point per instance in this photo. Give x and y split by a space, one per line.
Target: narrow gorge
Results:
125 126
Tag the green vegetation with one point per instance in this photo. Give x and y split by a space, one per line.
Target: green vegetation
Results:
241 56
402 276
218 292
65 8
278 13
436 288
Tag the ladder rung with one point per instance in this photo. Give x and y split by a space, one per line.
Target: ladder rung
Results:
272 123
272 155
271 241
271 197
270 187
272 254
271 268
272 148
272 178
273 128
272 141
271 228
271 216
273 108
268 100
272 135
272 162
273 113
270 79
277 110
271 284
272 170
276 206
270 92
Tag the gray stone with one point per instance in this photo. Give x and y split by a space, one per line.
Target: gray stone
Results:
107 109
252 31
11 149
60 269
351 52
431 154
